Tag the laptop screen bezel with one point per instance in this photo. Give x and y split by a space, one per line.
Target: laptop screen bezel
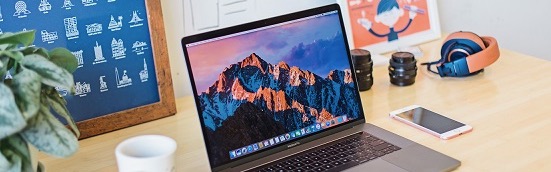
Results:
255 25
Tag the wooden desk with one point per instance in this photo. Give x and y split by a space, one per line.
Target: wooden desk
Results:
508 105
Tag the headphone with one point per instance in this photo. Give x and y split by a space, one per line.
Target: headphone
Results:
465 54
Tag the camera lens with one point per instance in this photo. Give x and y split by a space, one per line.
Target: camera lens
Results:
402 69
363 67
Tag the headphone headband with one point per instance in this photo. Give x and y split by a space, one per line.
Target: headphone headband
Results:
465 54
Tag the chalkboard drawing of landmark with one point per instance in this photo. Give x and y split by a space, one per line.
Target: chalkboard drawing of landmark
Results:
63 92
8 75
98 54
67 4
81 89
80 58
139 47
124 80
94 29
136 20
88 2
71 29
117 48
48 37
114 25
44 6
144 74
21 9
102 84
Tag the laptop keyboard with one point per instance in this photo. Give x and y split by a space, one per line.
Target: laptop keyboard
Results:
338 155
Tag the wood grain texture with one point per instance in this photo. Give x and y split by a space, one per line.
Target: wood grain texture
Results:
508 106
138 115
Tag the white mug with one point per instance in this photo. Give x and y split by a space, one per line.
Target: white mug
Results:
146 153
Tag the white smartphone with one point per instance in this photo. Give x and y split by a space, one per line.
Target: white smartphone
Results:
430 122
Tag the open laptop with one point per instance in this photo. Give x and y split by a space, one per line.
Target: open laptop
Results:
279 95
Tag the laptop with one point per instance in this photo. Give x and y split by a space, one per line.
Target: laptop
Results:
280 95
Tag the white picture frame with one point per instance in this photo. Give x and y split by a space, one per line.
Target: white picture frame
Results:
423 34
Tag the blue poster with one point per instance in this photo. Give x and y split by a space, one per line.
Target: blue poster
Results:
112 44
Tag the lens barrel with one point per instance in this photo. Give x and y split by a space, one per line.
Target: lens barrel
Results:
402 69
363 67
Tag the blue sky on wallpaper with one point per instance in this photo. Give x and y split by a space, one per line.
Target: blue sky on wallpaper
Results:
316 45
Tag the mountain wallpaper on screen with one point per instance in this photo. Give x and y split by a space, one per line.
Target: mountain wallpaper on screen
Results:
253 100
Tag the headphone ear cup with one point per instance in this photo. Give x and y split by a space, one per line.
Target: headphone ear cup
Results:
446 48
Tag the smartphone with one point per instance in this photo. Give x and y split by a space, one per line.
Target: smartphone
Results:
430 122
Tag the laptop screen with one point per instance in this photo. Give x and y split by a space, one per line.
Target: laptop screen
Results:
261 88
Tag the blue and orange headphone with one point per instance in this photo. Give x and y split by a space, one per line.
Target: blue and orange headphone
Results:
465 54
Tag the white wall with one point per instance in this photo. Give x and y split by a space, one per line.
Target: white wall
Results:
523 26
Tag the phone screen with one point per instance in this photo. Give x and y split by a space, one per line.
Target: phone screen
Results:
430 120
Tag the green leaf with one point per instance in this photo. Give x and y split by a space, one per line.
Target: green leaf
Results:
64 58
17 145
10 161
11 120
4 163
43 52
28 50
59 105
52 74
26 88
26 38
16 55
48 135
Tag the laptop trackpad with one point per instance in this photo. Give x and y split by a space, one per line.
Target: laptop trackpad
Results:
420 158
376 165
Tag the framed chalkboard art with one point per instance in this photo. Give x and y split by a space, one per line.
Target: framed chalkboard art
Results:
123 76
381 26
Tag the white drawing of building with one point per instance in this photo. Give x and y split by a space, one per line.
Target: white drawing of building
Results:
124 80
88 2
102 84
144 75
44 6
8 75
82 89
94 29
71 29
139 47
80 58
136 20
67 4
117 48
114 25
1 18
63 92
48 37
21 9
98 52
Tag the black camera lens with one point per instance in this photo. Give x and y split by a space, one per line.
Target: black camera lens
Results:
363 67
402 69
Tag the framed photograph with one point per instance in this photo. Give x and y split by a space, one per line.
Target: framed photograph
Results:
381 26
123 76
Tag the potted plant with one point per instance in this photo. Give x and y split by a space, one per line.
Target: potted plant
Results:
28 98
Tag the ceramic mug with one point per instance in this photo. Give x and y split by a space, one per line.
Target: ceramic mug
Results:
146 153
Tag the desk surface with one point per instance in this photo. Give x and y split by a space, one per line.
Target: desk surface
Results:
508 106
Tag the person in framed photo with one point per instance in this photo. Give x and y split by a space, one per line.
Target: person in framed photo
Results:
388 14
